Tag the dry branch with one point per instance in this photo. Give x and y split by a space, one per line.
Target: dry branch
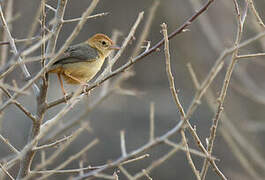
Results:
14 48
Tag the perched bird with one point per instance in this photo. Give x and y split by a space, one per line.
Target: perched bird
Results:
81 62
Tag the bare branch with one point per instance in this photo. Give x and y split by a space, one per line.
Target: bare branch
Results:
125 172
5 38
58 152
169 73
179 106
146 174
72 158
135 159
156 163
6 172
11 147
226 82
52 144
240 156
250 55
152 121
19 105
195 171
61 171
14 48
255 12
20 40
88 17
193 76
192 151
123 145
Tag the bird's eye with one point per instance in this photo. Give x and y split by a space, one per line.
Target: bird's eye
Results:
103 43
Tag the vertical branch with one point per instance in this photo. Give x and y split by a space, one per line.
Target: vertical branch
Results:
183 116
57 26
152 121
221 98
25 163
4 49
175 96
123 145
169 73
43 14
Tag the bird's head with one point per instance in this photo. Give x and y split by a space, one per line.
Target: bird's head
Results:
102 43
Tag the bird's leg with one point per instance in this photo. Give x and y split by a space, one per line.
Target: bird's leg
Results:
61 83
84 84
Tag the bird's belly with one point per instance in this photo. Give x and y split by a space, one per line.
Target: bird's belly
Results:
83 71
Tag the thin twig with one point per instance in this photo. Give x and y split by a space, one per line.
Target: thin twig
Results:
52 144
239 155
50 7
250 55
221 98
146 174
192 151
21 40
8 15
19 105
123 145
14 48
9 144
61 149
184 140
156 163
63 171
58 152
125 172
72 158
152 121
14 89
230 132
89 17
6 172
169 73
179 106
135 159
255 12
193 76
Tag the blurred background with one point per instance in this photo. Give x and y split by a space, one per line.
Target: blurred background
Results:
201 45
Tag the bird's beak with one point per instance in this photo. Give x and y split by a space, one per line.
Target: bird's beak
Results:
114 47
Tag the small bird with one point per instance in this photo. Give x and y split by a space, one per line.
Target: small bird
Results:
81 62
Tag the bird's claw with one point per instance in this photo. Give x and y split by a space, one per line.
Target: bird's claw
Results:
85 86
